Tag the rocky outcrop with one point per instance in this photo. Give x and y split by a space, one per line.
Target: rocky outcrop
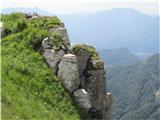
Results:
81 72
52 56
68 72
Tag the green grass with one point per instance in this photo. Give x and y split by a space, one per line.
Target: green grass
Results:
59 43
30 90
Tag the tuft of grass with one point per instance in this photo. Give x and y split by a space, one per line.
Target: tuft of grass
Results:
59 43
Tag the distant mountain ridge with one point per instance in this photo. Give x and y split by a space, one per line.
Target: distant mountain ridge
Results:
119 56
121 27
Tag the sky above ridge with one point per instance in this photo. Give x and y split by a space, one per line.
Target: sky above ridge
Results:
85 6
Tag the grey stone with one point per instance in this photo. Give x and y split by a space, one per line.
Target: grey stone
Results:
96 87
82 58
53 58
83 98
63 33
68 72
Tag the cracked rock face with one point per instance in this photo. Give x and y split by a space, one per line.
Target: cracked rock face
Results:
83 98
68 72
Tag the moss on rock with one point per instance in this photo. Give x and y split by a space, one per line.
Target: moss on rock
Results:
95 65
91 50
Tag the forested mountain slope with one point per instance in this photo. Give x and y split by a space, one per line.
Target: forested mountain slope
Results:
135 90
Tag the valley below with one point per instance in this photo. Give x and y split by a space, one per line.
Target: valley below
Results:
133 84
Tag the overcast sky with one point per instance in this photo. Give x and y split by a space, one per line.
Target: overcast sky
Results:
84 6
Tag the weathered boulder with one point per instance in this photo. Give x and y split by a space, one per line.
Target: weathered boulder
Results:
68 72
63 33
82 59
83 98
53 58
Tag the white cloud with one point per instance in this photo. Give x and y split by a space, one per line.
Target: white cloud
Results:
72 6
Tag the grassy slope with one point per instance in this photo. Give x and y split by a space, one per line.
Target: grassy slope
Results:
29 88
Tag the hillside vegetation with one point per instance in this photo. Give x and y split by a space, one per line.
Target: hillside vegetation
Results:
30 90
135 90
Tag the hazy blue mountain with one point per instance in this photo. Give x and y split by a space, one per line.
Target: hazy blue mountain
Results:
134 89
121 27
119 56
26 10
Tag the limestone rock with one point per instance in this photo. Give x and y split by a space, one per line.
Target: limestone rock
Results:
82 58
47 44
68 72
53 58
63 33
83 98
